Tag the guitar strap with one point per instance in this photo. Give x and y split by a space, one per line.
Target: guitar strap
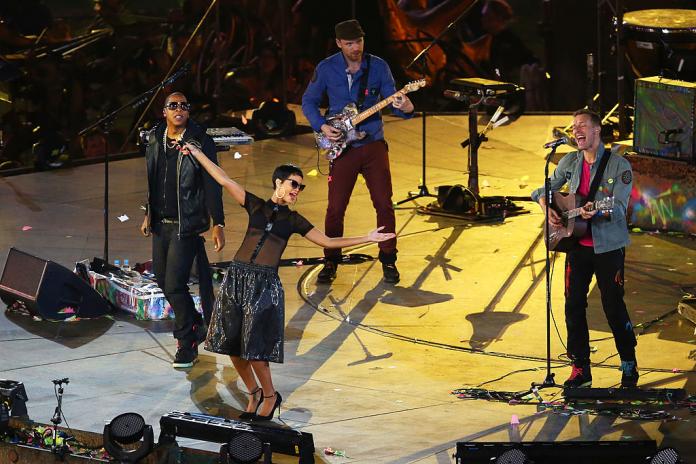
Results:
362 91
598 175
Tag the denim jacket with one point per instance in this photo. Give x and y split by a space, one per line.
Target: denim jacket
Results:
609 231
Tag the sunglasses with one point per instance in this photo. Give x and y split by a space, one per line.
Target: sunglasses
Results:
185 106
296 185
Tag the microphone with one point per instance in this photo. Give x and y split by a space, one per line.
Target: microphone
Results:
245 67
554 143
455 95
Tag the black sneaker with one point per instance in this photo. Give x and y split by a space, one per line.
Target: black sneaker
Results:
581 376
391 273
328 274
629 374
185 356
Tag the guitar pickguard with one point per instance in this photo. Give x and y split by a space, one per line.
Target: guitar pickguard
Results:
342 122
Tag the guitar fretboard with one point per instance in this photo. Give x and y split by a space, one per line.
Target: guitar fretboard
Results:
360 117
571 213
599 204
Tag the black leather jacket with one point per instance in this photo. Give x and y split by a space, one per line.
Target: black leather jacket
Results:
199 195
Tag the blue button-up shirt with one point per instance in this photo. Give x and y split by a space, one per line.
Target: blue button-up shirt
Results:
331 78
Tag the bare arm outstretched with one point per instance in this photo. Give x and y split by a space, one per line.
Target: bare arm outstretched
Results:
320 238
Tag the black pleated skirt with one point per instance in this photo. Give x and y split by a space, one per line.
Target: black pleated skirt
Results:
248 319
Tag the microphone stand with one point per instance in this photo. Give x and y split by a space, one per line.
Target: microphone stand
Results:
549 380
105 123
421 57
56 419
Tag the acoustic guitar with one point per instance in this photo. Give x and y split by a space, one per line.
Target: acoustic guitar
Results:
565 236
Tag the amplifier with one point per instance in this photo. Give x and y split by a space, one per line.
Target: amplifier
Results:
283 440
665 110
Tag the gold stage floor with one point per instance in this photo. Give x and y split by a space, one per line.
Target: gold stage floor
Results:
369 367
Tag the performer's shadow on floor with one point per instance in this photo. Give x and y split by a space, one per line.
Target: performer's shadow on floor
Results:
205 387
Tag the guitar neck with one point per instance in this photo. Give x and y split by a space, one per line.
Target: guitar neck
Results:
575 212
360 117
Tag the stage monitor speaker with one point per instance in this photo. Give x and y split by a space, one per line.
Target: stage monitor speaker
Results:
456 199
665 110
46 288
567 452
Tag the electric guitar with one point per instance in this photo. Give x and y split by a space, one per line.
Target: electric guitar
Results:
346 120
564 237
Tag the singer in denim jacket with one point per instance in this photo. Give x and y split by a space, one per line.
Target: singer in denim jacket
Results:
600 251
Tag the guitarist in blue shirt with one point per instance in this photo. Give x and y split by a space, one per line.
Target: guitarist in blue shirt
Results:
600 251
352 76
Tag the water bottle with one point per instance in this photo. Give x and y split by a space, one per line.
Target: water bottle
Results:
126 265
117 265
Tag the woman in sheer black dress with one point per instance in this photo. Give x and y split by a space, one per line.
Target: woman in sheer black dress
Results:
249 316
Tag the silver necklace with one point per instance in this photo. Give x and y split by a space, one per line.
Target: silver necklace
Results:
166 144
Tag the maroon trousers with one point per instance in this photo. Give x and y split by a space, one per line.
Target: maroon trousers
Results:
372 161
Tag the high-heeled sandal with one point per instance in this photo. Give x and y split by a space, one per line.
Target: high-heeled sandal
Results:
276 405
250 415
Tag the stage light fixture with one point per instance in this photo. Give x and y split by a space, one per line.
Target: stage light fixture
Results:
126 429
241 441
272 118
666 456
50 151
513 456
244 448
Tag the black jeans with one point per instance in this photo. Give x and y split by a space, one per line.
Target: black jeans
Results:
172 259
608 267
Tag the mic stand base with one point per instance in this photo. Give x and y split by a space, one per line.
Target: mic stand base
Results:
548 382
422 192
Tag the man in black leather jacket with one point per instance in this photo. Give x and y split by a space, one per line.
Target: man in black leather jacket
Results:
182 198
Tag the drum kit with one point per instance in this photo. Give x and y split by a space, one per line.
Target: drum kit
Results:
657 42
661 42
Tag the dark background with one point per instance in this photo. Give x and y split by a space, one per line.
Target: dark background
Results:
47 95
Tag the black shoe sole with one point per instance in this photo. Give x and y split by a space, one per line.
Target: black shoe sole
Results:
587 384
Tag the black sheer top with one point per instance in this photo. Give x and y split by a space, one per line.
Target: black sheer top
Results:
270 228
